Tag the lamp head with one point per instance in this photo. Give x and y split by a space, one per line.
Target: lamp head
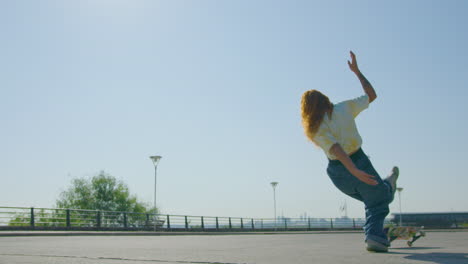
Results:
155 159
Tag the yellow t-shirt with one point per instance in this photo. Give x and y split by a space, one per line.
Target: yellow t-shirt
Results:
341 128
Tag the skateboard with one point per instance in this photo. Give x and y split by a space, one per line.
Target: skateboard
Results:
409 233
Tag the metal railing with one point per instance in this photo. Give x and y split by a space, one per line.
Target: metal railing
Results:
27 218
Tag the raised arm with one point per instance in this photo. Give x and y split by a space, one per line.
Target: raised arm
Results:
364 82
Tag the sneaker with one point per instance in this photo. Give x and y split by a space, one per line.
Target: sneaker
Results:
392 178
375 246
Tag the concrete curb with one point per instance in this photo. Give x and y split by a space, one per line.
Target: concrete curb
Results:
137 233
145 233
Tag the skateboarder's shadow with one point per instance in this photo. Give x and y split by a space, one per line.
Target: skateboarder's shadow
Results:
415 248
440 258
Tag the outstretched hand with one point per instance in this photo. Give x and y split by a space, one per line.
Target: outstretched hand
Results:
353 64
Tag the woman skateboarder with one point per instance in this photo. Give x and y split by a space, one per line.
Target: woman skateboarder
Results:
333 129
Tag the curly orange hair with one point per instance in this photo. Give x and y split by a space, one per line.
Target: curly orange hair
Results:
314 106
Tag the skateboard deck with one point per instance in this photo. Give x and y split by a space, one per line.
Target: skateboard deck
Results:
409 233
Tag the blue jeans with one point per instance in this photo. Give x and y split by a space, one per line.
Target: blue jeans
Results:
376 198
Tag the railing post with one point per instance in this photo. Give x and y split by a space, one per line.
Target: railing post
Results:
202 223
308 223
186 223
261 223
331 223
454 220
125 220
147 220
32 217
242 223
217 224
168 222
98 219
68 218
285 224
230 223
354 224
253 227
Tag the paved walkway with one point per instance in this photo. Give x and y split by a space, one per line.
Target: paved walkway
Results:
436 247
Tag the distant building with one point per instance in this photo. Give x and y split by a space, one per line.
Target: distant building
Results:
432 220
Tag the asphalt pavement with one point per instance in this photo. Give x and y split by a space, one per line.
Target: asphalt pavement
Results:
270 248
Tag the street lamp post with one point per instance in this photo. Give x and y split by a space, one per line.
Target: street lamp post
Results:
273 184
155 160
399 189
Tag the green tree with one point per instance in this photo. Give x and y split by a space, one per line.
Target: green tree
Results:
102 192
101 197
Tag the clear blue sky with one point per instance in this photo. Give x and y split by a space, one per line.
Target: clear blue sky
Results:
214 87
